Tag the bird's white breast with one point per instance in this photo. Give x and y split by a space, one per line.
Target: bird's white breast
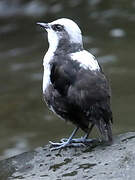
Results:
46 64
86 60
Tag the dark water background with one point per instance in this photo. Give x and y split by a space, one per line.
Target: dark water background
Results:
109 33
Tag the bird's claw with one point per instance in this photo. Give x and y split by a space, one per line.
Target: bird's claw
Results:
64 144
78 140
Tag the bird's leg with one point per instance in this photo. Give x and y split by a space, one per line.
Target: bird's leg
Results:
90 129
67 142
83 139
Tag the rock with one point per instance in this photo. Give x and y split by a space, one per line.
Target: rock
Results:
115 162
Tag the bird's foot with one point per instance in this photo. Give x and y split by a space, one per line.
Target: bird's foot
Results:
65 143
81 140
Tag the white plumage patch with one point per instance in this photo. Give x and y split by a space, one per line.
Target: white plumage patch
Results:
86 60
53 42
72 29
46 61
46 76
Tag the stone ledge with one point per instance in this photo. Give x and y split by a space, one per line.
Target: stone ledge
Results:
96 163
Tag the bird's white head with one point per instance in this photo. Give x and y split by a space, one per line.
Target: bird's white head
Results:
64 30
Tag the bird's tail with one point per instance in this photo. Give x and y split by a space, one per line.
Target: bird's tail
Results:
105 129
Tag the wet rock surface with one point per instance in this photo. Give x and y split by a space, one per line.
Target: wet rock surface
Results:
96 163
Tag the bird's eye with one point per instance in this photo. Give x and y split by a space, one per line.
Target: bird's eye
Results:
57 27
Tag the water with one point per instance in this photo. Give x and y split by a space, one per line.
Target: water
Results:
109 33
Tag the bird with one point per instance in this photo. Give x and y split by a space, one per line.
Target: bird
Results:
75 87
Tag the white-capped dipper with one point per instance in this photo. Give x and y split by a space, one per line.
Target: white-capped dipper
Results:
74 85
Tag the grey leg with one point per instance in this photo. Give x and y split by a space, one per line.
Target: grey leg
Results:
82 139
87 135
67 142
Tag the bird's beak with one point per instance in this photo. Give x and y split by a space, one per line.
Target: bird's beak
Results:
44 25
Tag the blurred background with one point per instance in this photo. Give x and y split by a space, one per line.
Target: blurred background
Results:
108 32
